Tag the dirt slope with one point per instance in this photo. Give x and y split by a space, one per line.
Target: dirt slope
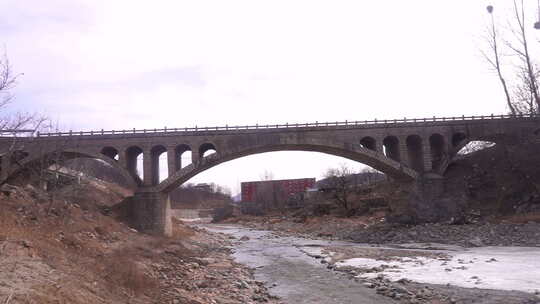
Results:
73 250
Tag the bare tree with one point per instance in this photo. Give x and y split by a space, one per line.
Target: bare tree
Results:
8 80
523 96
527 69
525 100
494 59
339 181
15 123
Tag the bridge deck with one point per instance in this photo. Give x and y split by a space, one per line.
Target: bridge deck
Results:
365 124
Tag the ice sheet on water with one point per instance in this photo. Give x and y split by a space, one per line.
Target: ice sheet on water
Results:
503 268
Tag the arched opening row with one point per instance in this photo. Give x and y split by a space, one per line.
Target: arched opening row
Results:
420 154
160 161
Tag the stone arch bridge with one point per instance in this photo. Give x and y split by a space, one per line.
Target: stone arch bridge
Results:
405 149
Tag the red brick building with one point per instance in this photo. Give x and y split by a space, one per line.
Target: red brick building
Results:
288 187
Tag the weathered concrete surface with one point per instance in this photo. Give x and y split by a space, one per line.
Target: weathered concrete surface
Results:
426 200
390 148
150 212
407 151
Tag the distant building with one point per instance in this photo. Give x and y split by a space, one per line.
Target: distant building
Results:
288 187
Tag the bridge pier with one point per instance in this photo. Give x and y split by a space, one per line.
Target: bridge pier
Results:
427 200
428 163
150 212
172 161
147 168
195 157
403 151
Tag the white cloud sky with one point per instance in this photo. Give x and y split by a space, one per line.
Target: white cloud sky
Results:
94 64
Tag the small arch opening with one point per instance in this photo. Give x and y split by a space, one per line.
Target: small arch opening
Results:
458 139
368 143
183 156
159 164
391 148
415 152
134 162
207 149
110 152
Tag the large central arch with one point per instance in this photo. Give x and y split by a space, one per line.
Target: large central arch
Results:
353 152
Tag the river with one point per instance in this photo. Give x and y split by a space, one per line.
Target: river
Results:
290 273
287 266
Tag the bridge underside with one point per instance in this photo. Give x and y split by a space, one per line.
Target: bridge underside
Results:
368 157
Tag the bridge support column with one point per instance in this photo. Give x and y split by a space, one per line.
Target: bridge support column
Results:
150 212
428 159
379 146
195 157
147 168
425 201
122 159
172 161
403 151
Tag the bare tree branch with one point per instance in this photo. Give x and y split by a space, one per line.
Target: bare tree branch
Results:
338 179
13 123
8 80
495 61
531 80
522 95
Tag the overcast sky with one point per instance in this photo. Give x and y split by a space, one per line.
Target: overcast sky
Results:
93 64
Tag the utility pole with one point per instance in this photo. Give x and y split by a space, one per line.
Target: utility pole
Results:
537 23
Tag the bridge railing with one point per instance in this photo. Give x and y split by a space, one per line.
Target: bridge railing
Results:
290 125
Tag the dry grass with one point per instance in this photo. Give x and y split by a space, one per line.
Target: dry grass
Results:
121 271
66 240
